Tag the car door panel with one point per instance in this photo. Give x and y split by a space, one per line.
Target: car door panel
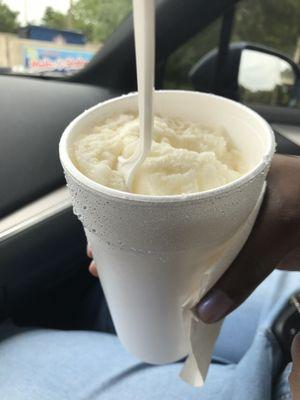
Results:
33 115
42 244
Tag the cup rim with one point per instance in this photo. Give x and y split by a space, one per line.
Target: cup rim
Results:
220 190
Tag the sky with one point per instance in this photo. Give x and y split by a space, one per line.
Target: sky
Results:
260 71
35 8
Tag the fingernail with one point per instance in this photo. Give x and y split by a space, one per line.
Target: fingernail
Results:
89 251
214 306
93 269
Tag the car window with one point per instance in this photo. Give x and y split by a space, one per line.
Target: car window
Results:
182 60
266 78
271 23
55 37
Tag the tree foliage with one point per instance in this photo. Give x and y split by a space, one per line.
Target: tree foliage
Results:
8 19
270 22
99 18
54 19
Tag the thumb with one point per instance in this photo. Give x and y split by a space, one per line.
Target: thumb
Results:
246 272
274 238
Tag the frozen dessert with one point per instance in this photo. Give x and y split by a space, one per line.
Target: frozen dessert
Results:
185 156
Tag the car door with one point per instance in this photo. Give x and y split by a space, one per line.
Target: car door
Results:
262 23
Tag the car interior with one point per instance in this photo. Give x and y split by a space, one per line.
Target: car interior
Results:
44 280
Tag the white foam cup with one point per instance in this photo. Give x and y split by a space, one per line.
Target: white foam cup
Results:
158 255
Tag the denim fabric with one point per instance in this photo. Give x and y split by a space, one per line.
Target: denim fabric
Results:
43 364
282 388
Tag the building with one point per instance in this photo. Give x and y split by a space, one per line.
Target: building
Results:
42 50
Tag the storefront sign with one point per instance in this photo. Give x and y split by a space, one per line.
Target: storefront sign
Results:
48 60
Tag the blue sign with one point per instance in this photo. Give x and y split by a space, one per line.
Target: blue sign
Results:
50 60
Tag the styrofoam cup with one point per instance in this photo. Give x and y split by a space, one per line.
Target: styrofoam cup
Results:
157 255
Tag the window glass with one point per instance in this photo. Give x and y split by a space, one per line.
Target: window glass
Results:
271 23
184 58
55 36
268 79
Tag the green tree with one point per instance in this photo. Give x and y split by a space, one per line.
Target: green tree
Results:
99 18
8 19
270 22
54 19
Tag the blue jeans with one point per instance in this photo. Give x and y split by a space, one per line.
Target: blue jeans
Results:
40 364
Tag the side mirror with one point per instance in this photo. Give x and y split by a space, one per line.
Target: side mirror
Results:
251 74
